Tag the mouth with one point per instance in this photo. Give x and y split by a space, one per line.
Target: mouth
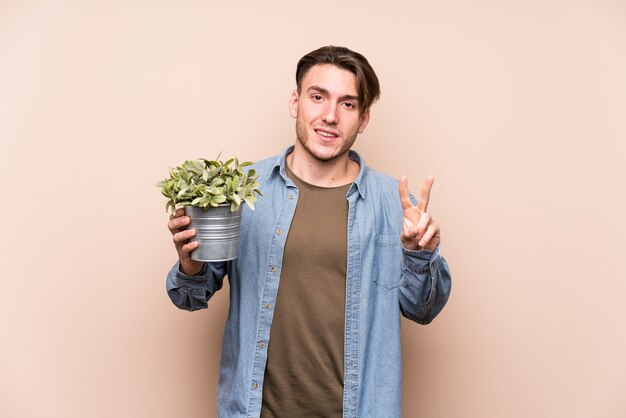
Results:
326 134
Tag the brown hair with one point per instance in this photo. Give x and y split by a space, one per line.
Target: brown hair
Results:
344 58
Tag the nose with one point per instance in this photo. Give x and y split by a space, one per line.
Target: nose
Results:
330 114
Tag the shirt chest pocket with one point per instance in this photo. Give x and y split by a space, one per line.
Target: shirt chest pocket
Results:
387 261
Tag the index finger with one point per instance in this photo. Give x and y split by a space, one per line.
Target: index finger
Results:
179 212
422 203
403 188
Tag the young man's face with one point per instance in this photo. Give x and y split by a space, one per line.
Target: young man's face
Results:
327 112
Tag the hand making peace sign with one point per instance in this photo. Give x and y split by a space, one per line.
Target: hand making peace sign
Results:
419 231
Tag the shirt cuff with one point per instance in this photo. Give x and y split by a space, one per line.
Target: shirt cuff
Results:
202 275
421 259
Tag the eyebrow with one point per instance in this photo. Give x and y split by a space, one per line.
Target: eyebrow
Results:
326 92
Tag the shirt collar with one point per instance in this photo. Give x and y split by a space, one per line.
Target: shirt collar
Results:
358 184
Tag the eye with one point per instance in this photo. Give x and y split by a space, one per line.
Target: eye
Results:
316 97
349 105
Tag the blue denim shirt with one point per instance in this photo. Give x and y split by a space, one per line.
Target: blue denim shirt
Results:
383 281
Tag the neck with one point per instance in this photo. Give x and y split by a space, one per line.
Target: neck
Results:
336 172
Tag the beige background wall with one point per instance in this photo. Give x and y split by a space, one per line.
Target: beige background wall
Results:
517 107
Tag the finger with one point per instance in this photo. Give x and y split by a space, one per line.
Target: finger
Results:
403 188
430 232
409 230
405 237
422 225
179 212
176 224
183 236
189 247
422 204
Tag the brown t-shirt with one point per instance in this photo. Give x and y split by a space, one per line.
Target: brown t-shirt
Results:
304 372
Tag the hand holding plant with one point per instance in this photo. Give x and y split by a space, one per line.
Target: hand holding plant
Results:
181 235
207 184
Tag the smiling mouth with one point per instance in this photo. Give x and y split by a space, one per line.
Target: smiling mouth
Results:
326 134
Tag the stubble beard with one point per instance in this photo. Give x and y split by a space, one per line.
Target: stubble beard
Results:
303 139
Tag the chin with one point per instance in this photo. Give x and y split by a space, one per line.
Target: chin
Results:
320 151
326 155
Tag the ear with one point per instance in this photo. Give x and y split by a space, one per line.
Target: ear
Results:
364 121
293 104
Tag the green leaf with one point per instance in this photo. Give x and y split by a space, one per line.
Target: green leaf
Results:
197 166
249 203
219 198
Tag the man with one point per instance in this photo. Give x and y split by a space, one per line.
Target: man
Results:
328 261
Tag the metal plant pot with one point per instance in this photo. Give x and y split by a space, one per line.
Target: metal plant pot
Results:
217 229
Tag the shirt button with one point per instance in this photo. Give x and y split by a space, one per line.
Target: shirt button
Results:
279 232
261 344
273 269
255 385
291 196
267 306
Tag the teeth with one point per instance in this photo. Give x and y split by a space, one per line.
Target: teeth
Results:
326 134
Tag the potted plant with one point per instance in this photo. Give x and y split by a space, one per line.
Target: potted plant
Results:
212 192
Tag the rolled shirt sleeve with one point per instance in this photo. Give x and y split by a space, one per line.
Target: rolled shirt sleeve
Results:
192 293
425 285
